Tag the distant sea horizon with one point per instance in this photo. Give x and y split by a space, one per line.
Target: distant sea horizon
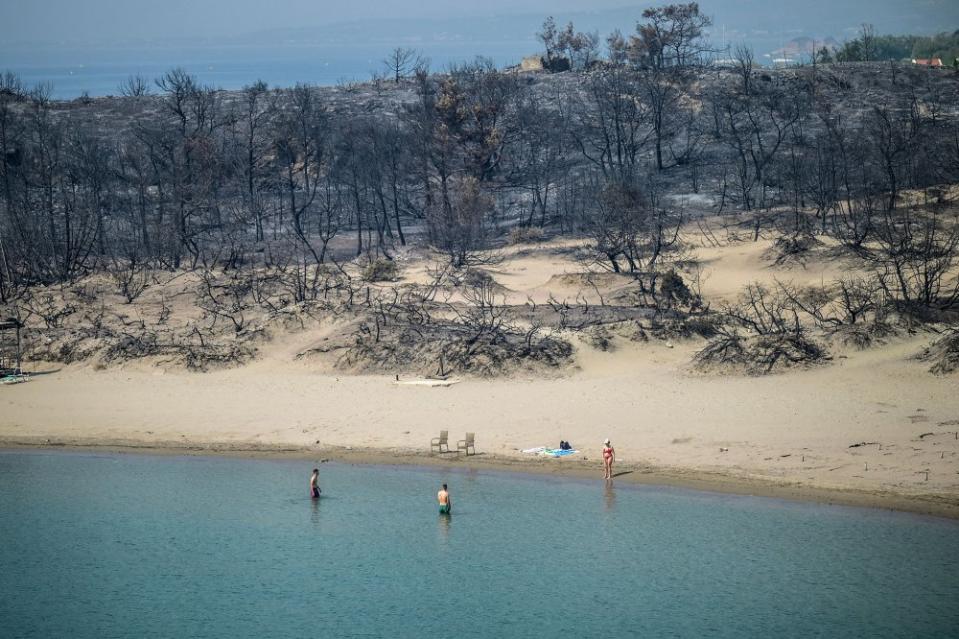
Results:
98 71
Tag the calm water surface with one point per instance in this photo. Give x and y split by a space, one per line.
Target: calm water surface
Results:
139 546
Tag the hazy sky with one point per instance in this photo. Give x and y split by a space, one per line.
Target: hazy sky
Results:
84 20
40 22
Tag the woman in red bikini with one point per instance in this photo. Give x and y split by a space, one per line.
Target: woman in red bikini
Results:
609 455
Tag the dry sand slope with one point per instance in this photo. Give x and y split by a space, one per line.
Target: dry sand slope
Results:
795 428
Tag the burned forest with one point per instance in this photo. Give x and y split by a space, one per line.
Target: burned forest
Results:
185 225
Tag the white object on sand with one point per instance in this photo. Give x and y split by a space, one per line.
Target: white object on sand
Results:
426 382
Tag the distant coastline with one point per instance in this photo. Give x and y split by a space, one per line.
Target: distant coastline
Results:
349 51
74 72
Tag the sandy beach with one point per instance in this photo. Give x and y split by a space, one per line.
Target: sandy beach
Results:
792 434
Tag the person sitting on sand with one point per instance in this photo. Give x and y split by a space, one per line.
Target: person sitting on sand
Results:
315 484
446 502
609 455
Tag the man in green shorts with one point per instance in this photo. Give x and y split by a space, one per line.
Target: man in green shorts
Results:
446 503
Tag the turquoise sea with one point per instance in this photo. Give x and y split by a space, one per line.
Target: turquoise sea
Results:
104 545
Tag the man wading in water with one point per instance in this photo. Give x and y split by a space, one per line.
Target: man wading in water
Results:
446 503
315 484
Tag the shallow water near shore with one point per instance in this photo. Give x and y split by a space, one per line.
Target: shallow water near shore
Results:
105 545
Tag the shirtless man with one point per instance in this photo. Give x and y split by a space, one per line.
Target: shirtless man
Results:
446 502
315 484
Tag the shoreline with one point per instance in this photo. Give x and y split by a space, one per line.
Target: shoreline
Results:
943 506
873 428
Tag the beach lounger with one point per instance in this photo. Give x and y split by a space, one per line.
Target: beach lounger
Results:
438 443
466 444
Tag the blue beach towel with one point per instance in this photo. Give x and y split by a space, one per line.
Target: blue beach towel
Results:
555 452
